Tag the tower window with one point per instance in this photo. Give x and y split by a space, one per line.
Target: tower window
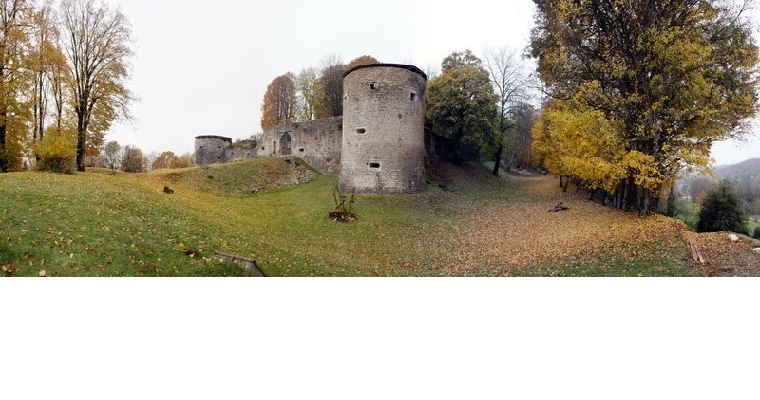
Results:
375 166
361 131
372 85
412 96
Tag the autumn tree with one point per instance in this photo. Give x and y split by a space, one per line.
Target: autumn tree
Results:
510 82
15 22
671 77
280 102
309 92
56 151
363 60
462 106
572 140
132 160
46 62
330 103
165 160
97 47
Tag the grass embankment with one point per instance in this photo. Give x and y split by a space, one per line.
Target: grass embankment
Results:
466 223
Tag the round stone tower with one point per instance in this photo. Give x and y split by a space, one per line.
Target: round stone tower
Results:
211 149
383 129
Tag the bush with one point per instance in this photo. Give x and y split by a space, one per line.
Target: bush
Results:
670 208
722 210
756 235
57 153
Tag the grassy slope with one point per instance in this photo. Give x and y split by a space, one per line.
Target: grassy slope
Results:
98 224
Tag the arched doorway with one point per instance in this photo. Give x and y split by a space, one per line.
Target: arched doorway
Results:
286 143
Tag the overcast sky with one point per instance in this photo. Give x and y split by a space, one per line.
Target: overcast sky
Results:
201 68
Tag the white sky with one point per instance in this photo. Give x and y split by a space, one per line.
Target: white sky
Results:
202 69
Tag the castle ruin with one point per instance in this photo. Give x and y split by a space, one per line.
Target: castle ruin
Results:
377 146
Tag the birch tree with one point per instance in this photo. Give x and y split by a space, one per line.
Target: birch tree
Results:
509 79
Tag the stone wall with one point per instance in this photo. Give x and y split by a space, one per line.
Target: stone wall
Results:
316 142
219 149
212 149
383 149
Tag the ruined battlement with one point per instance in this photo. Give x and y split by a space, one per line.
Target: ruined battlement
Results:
377 146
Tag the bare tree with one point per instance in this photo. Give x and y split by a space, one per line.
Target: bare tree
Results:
508 76
519 136
331 79
96 41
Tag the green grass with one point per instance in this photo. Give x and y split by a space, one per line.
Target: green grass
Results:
96 224
751 226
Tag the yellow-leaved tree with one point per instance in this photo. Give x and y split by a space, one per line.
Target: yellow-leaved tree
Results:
671 77
57 150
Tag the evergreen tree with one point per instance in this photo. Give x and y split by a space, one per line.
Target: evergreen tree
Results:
723 210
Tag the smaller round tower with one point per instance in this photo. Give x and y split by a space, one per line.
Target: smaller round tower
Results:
383 149
211 149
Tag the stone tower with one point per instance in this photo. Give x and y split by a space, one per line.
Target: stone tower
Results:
211 149
383 148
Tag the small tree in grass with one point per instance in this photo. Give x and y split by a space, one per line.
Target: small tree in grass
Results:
722 210
57 152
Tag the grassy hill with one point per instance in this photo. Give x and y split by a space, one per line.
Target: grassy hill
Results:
467 223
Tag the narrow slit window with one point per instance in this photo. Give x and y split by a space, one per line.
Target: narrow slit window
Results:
372 85
374 165
412 96
361 131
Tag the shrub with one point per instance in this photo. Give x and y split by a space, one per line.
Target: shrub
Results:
722 210
57 153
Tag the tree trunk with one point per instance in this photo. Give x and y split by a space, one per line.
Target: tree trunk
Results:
497 160
645 199
3 151
81 147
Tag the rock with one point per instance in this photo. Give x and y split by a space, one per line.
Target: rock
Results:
43 273
756 251
732 237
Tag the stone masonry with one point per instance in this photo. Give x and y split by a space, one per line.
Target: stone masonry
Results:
376 147
383 129
316 142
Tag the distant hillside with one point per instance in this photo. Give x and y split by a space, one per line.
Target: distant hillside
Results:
747 168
